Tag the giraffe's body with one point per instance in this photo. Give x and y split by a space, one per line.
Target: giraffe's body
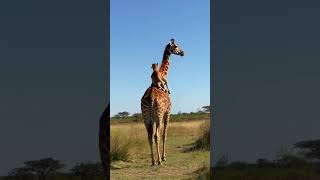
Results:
155 106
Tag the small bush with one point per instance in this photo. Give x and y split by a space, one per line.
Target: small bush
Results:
203 143
127 140
119 148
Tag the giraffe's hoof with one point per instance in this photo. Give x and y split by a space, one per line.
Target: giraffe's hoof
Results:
164 159
159 163
153 163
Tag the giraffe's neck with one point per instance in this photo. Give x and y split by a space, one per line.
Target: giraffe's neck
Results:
164 68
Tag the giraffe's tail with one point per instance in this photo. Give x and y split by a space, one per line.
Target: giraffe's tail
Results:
146 106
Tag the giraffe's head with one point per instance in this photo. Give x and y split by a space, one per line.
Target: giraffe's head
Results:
173 48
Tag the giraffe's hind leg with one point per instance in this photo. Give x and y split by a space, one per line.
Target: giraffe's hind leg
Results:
150 126
166 118
157 116
151 134
157 140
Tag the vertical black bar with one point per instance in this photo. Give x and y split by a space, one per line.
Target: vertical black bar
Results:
104 124
212 84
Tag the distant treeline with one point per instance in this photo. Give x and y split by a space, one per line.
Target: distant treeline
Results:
50 169
302 161
201 114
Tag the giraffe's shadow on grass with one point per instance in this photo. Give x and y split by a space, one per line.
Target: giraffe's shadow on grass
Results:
187 148
120 165
195 146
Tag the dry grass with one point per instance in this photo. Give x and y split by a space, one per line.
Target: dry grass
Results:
203 142
133 134
120 147
179 164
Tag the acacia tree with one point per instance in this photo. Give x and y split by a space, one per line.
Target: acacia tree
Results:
310 148
87 170
20 173
206 109
41 168
122 115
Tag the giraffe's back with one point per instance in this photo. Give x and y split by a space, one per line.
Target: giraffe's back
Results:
155 95
154 100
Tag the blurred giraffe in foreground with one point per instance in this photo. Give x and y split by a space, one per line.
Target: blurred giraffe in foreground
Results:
104 141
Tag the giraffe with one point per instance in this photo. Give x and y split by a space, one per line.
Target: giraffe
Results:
156 105
104 141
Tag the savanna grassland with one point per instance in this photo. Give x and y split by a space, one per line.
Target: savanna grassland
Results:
187 152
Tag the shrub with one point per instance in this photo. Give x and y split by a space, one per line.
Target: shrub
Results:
203 142
119 148
127 140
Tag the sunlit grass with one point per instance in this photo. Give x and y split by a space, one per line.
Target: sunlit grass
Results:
179 164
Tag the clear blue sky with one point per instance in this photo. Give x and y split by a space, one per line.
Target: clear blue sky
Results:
139 32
